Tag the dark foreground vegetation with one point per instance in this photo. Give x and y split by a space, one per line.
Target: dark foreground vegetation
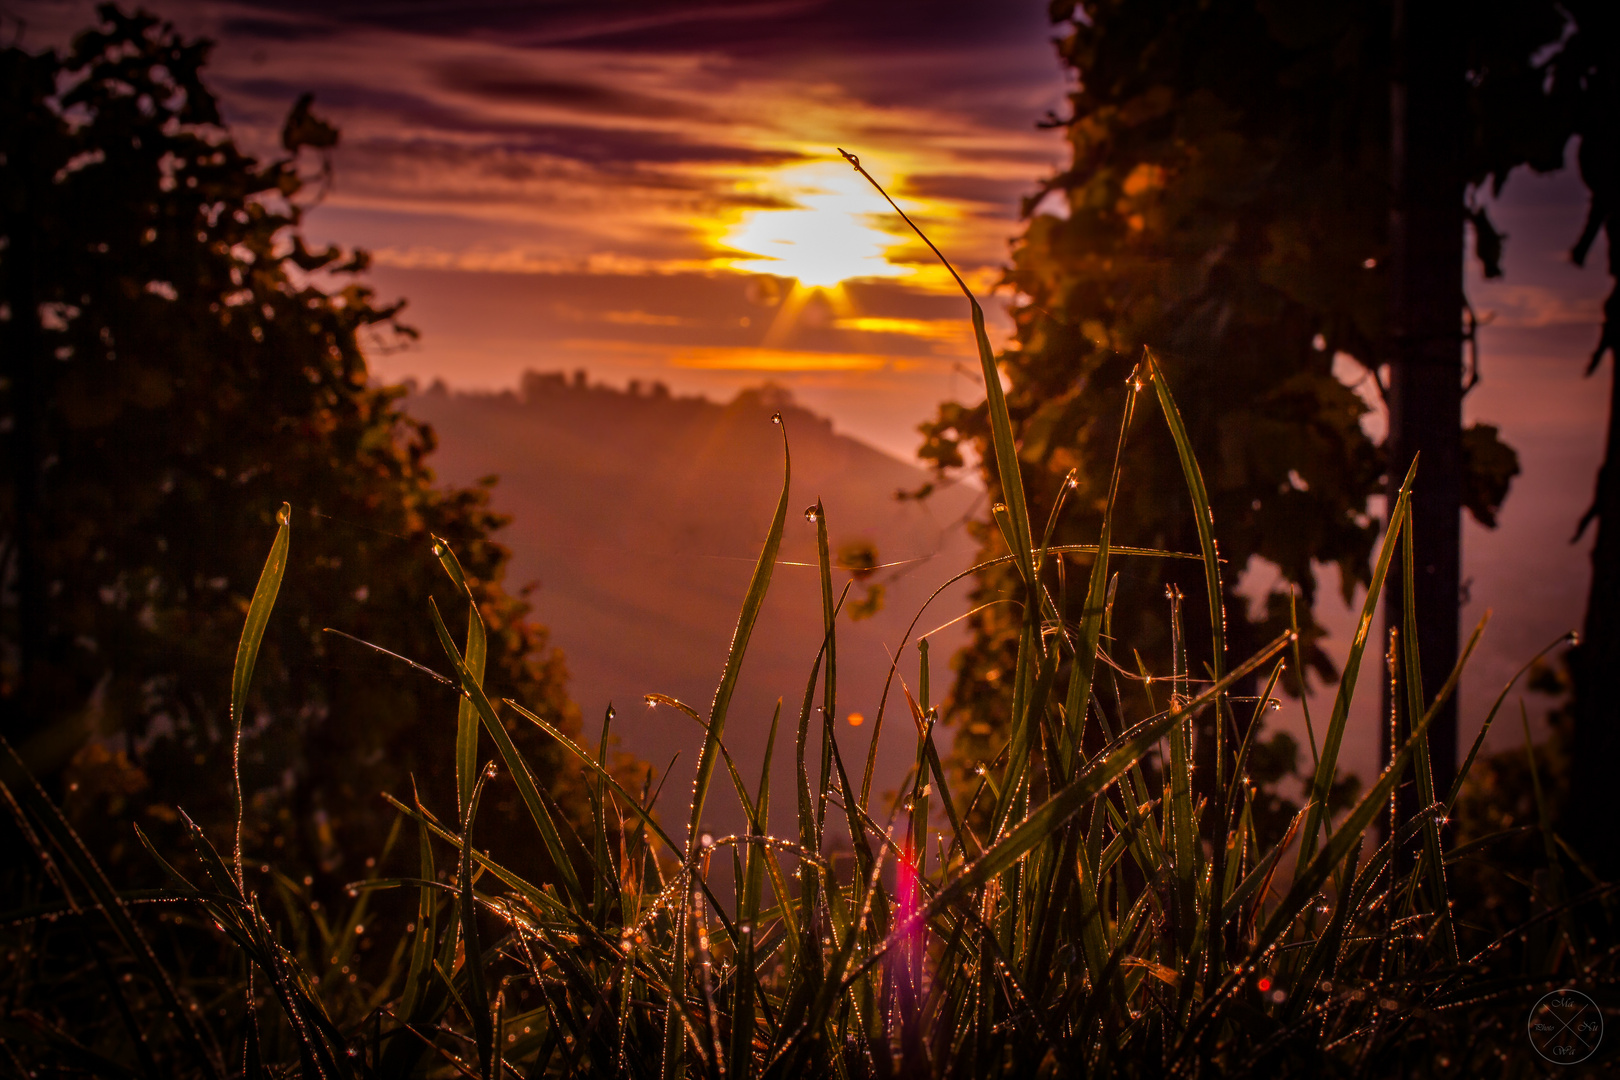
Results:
176 364
1112 890
1079 909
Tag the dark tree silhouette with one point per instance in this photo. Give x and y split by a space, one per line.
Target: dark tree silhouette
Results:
1584 88
176 363
1233 202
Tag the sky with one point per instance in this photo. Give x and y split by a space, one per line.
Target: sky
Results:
601 185
631 188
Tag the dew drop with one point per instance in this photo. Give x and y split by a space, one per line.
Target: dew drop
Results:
491 771
776 418
610 713
283 515
706 840
438 550
812 514
999 508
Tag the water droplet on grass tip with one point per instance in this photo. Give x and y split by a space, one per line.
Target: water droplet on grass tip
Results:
491 771
776 418
438 550
812 514
283 515
999 508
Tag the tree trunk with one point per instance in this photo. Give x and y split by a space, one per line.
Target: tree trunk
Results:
1429 115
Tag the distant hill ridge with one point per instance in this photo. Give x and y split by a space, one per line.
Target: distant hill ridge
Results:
640 513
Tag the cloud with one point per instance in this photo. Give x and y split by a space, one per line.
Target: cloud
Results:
602 181
1537 307
768 360
523 87
1000 192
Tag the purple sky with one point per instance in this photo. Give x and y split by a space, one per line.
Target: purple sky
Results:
596 185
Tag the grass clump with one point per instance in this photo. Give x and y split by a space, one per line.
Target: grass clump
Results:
1085 909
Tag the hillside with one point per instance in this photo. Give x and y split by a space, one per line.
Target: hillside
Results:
640 516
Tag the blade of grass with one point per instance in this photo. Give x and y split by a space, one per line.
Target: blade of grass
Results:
1484 728
472 963
1001 434
1322 782
466 713
759 584
1434 863
247 655
1106 768
427 907
515 764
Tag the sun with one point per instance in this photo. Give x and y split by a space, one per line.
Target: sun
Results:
832 233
